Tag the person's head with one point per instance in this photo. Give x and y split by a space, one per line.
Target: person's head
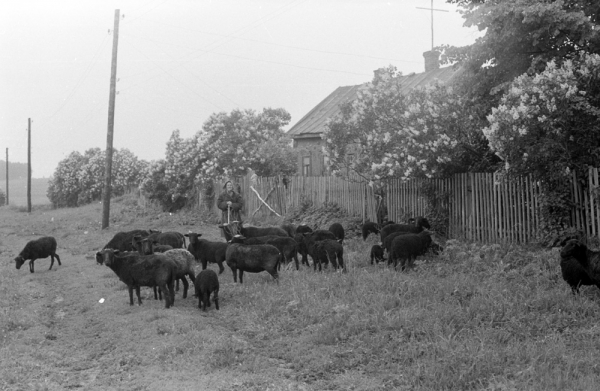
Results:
228 186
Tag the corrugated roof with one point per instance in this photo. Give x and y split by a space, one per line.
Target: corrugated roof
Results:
313 122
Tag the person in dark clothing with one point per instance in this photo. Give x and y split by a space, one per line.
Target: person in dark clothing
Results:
230 203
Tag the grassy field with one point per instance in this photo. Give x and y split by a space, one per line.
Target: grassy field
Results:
17 189
476 317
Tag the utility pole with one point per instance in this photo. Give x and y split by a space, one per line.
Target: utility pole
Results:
111 125
432 9
29 165
6 176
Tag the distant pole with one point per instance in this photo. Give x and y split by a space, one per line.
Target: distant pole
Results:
6 176
29 165
111 125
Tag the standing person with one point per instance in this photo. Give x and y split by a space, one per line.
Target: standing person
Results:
230 203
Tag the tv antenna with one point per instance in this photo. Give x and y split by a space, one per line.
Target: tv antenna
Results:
432 9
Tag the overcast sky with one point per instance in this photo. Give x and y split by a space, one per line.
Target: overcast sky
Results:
180 61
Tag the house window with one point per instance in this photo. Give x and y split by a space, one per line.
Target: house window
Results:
306 166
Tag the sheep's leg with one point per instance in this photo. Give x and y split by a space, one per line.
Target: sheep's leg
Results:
216 298
200 301
221 268
341 262
137 292
241 276
177 286
295 256
185 286
167 295
57 259
31 265
234 270
204 264
130 288
51 262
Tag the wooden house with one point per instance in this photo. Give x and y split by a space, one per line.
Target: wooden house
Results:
306 133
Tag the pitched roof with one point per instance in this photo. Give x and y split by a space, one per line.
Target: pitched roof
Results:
313 123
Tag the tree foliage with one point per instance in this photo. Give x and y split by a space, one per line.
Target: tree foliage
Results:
426 132
521 36
79 179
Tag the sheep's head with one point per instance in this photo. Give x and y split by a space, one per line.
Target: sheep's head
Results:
19 261
193 237
106 256
574 248
422 222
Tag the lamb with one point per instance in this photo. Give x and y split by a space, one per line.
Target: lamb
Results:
407 247
377 253
369 228
338 230
420 224
579 265
288 247
43 247
206 283
252 258
207 252
137 270
171 238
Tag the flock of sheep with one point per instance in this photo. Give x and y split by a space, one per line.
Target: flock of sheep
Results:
161 259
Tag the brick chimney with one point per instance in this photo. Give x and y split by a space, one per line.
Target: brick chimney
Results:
432 60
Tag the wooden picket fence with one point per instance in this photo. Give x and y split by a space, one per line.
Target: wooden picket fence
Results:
483 207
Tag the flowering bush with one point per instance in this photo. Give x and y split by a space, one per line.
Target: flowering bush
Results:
426 132
79 179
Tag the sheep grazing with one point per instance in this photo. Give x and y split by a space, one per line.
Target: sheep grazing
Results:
420 224
290 229
377 254
579 265
331 251
43 247
185 262
123 241
299 238
322 254
303 228
136 270
206 283
207 252
253 232
405 248
338 231
171 238
369 228
288 247
252 258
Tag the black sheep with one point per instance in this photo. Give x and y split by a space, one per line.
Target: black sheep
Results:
206 283
338 230
332 251
253 232
377 254
320 254
171 238
288 247
207 252
299 238
303 228
405 248
136 270
579 265
252 258
43 247
420 224
290 229
369 228
123 241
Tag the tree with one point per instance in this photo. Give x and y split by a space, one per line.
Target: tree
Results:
429 131
64 187
547 125
521 36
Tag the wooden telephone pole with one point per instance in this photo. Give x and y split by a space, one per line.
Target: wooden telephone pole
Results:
29 165
6 176
111 125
